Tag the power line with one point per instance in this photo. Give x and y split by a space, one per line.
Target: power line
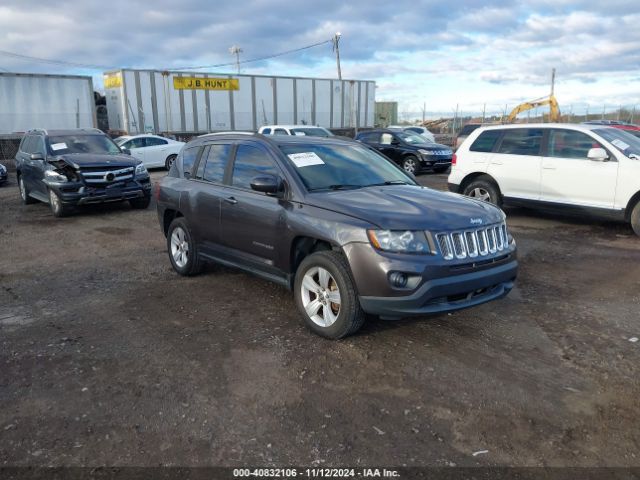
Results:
112 67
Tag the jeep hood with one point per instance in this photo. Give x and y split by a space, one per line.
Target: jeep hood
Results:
407 207
80 160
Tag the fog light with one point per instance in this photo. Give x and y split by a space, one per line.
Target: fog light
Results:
398 279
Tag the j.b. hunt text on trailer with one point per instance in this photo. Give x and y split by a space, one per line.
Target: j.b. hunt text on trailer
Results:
161 101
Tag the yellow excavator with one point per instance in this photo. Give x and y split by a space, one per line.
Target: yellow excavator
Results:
554 109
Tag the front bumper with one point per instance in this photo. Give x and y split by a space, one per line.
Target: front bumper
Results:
3 177
427 162
446 294
77 193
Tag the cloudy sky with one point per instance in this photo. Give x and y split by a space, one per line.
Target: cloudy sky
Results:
438 53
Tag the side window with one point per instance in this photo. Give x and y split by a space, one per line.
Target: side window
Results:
570 144
136 143
386 139
280 131
521 141
485 141
155 142
370 137
217 157
266 131
251 162
188 160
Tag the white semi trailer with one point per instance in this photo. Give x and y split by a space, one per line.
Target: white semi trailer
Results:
45 101
187 102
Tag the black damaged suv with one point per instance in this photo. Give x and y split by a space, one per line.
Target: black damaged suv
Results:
69 168
338 223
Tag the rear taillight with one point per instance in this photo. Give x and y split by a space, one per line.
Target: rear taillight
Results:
454 159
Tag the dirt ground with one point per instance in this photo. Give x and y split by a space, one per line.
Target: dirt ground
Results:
107 357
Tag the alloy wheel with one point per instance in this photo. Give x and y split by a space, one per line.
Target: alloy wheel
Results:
480 194
320 296
179 247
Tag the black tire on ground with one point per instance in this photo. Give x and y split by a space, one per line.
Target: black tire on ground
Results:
180 240
410 164
350 316
483 188
440 169
169 161
58 208
140 203
635 219
24 192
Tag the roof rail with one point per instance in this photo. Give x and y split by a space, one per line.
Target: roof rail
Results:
230 132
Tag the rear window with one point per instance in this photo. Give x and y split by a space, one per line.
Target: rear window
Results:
212 169
486 141
467 129
521 141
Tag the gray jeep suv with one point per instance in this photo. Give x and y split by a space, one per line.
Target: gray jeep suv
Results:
338 223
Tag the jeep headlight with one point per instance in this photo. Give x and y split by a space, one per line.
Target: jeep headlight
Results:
3 169
141 170
425 152
399 241
55 176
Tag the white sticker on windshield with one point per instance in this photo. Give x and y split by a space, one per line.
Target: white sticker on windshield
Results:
305 159
620 144
58 146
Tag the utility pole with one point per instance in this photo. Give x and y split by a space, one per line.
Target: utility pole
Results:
484 111
336 48
553 80
236 50
424 111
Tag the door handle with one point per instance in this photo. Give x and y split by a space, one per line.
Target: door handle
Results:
231 200
497 163
545 167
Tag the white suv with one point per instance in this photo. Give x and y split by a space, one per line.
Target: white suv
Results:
310 130
586 168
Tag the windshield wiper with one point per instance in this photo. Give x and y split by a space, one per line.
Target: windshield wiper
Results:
339 186
389 182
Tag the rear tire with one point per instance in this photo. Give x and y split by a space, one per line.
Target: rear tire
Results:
326 296
170 161
483 188
183 251
58 208
635 219
140 203
24 192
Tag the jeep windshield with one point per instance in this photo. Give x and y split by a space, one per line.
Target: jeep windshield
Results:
335 167
69 144
627 143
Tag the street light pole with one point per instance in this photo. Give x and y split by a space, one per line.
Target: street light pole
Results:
336 48
236 50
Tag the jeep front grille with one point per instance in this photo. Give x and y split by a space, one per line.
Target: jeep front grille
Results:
473 243
104 176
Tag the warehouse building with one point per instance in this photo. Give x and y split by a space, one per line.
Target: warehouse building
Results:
178 102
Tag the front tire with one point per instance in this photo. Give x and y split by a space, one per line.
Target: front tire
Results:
58 208
326 296
24 192
170 161
635 219
410 164
183 251
483 189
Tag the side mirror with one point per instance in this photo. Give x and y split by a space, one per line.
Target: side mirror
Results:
269 184
395 142
598 155
126 151
36 156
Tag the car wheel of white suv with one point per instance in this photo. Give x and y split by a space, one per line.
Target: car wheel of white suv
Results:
482 188
635 219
